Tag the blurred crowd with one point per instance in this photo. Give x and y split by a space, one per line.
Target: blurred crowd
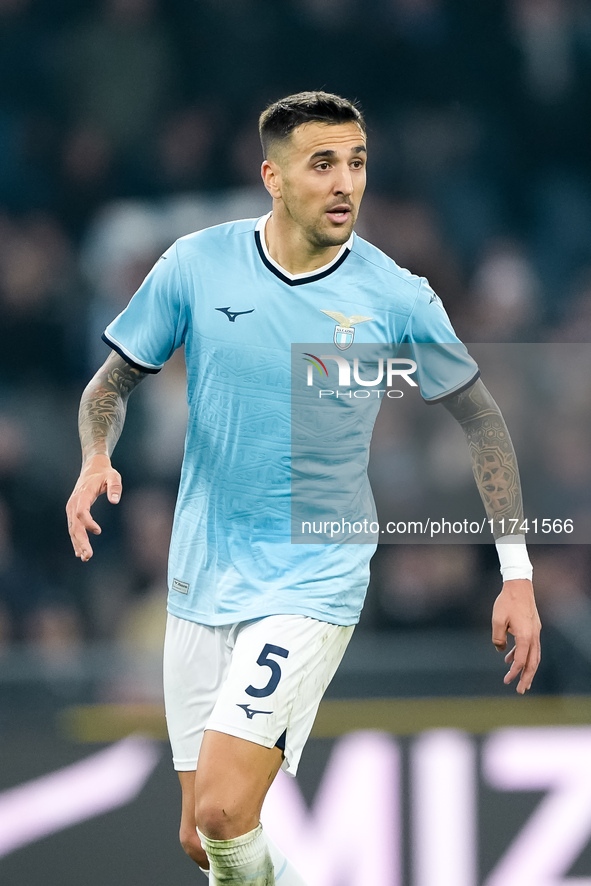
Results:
127 123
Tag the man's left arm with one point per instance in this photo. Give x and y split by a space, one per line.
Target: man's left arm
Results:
494 465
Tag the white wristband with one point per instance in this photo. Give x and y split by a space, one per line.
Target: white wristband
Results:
513 557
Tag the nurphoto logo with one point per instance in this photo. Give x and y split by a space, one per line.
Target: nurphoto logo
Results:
349 374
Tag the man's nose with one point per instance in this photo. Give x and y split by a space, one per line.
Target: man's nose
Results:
344 181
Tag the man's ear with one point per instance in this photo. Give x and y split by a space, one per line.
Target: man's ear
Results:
271 175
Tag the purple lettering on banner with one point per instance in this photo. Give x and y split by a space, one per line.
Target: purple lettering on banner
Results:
538 759
444 814
351 836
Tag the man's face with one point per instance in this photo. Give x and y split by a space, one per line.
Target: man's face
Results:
321 180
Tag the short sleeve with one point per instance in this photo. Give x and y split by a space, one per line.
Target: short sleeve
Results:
153 324
444 366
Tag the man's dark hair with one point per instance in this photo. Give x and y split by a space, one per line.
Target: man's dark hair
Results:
278 121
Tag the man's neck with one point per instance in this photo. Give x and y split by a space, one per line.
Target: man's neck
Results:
288 247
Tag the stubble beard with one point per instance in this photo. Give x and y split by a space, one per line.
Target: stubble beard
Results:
318 231
325 239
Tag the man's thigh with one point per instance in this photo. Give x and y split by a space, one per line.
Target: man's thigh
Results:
231 783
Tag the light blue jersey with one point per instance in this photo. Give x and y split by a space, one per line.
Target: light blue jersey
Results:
238 313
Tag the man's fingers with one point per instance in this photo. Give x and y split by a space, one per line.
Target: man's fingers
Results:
90 485
80 523
515 612
523 661
499 626
81 544
84 521
79 537
524 658
515 669
529 671
93 481
114 487
499 636
91 525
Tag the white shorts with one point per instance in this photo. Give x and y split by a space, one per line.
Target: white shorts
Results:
259 680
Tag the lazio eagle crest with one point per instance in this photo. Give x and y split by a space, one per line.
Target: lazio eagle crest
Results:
344 332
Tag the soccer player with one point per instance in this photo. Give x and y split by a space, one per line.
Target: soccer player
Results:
257 625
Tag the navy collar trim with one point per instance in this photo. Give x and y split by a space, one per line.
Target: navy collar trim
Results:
299 279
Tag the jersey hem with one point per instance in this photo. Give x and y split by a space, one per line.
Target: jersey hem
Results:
128 357
458 390
214 621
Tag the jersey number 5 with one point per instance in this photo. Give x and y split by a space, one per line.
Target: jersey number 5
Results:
265 662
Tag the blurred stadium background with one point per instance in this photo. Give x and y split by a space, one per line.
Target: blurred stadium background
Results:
127 123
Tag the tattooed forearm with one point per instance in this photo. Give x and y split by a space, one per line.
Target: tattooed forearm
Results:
104 404
494 463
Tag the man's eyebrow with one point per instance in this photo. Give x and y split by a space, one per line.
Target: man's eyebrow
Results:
328 152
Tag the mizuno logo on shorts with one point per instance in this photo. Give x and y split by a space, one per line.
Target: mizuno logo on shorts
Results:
250 713
181 586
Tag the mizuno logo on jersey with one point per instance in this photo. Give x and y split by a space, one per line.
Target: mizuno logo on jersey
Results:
231 315
250 713
344 332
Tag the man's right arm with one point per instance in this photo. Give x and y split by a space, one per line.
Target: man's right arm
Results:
100 422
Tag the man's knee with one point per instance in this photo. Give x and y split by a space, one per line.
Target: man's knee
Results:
232 779
192 846
223 821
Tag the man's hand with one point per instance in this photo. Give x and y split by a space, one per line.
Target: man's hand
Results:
515 611
96 477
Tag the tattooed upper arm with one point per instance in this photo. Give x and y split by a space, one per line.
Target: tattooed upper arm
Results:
104 404
470 402
121 374
494 462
